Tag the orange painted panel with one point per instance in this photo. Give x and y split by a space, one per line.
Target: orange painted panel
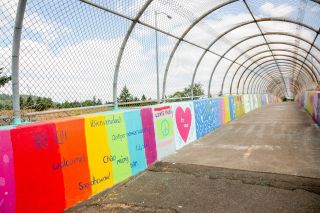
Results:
74 161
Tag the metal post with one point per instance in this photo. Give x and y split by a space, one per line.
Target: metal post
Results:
157 55
15 61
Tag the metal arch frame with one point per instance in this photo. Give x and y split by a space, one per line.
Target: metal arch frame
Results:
295 85
289 56
285 67
231 86
258 82
183 36
256 54
281 50
247 23
266 41
257 35
223 34
122 48
289 61
275 86
279 94
286 61
251 22
257 88
282 63
314 40
21 8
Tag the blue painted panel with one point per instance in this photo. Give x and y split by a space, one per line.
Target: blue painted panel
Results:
232 108
206 115
135 141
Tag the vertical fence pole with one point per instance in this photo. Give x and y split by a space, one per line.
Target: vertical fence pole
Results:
15 61
157 55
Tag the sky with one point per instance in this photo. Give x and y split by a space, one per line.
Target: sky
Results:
69 49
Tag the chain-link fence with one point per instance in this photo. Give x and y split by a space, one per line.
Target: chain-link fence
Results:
83 56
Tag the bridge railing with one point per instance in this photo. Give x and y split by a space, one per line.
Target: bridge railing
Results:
54 164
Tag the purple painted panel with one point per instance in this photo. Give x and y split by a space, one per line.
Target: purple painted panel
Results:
149 135
7 187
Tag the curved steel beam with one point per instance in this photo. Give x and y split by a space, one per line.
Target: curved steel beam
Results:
294 62
222 35
183 36
303 81
121 51
257 81
15 60
307 68
231 85
285 67
265 87
282 64
272 86
270 33
281 51
285 43
314 40
256 21
260 64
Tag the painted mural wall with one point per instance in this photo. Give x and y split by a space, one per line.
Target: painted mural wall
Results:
50 166
310 101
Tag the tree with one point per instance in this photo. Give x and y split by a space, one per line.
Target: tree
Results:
29 103
143 98
197 91
43 104
4 79
22 104
125 95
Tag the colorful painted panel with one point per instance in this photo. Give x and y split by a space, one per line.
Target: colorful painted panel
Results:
149 137
74 162
246 103
207 115
7 178
99 155
315 106
226 109
136 145
184 123
318 109
164 129
232 107
39 187
117 138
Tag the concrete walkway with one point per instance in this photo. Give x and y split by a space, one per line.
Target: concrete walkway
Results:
278 138
266 161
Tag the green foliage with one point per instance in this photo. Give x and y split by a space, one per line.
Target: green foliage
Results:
75 104
43 104
4 79
197 91
125 95
143 98
29 103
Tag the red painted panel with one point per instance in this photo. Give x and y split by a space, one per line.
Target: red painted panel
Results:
39 188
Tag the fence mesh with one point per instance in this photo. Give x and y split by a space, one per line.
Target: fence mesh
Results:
69 52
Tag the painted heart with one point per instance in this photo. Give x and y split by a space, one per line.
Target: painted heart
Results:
183 121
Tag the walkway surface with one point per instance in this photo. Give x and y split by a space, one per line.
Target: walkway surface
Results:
278 138
266 161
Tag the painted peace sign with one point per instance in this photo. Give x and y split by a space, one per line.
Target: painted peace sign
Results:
165 127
